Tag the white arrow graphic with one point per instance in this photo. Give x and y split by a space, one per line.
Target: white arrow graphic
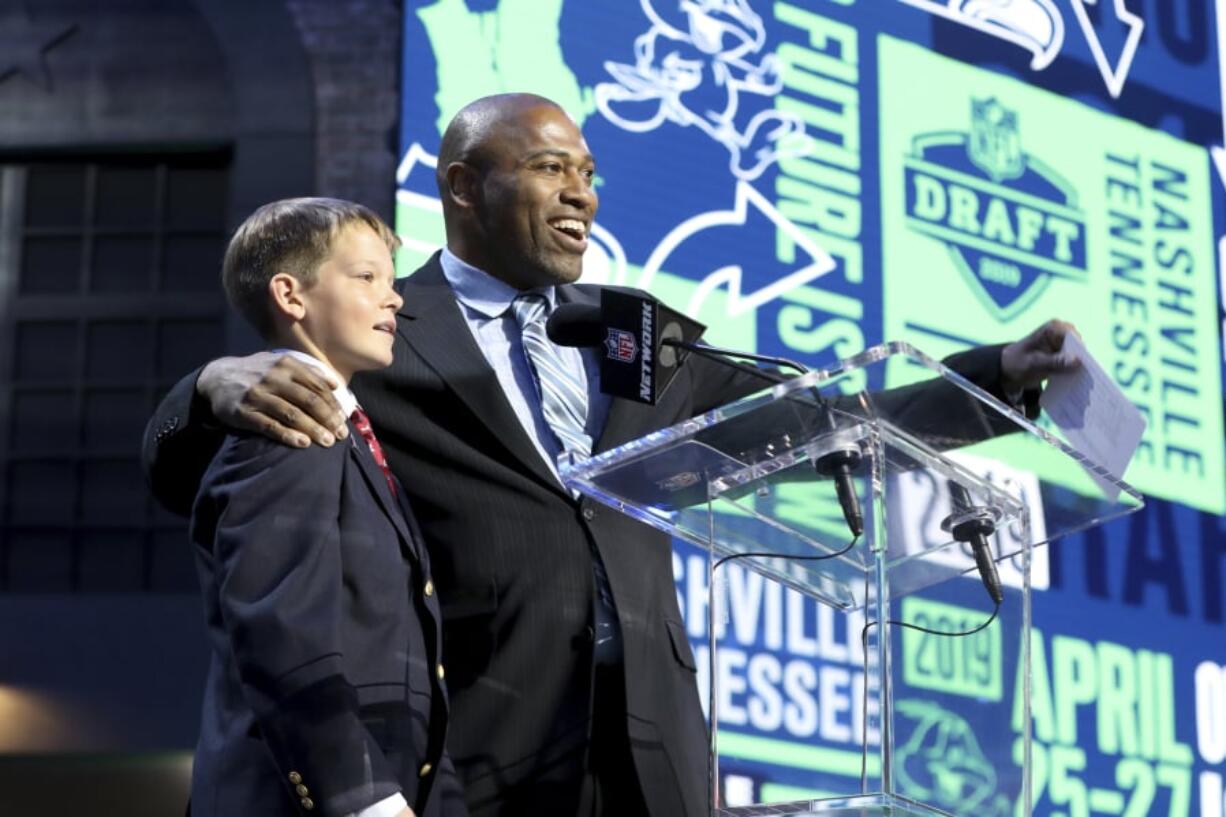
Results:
1217 151
414 157
1117 75
732 275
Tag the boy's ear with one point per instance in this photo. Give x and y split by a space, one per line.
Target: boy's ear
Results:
463 184
285 293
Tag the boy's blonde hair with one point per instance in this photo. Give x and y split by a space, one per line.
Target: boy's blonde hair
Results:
291 236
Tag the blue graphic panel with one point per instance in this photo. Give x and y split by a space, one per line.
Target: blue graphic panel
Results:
812 177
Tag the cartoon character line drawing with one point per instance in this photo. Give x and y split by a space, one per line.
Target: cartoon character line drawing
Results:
702 64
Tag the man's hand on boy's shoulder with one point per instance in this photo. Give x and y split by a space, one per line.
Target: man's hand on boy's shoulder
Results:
275 395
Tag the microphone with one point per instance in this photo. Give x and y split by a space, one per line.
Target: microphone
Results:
576 325
973 525
630 328
836 465
625 319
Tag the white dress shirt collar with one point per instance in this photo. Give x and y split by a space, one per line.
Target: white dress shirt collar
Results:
344 397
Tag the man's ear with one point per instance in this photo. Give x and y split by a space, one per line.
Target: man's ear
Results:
285 292
463 184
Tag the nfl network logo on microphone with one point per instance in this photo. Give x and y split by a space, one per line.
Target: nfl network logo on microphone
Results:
620 346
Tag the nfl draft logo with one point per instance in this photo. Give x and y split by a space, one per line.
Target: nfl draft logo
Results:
996 147
1010 222
620 346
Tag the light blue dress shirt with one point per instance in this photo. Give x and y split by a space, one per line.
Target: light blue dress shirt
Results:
485 303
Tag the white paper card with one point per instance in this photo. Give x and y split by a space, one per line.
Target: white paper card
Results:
1094 414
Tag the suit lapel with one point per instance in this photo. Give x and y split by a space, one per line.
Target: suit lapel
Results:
431 323
406 510
378 485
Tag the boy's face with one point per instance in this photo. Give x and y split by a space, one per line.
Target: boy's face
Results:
350 310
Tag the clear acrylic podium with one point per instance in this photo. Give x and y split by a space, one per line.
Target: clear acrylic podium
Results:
745 482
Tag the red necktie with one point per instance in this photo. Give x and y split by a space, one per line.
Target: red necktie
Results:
362 423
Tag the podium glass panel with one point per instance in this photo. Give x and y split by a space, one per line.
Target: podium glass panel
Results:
749 483
753 461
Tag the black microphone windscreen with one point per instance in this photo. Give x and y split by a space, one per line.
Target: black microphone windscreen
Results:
576 325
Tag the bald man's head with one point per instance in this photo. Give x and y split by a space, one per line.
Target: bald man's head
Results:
515 177
472 130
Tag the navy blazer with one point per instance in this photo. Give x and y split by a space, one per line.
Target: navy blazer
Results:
325 691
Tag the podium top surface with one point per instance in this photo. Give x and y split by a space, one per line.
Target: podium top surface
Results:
932 450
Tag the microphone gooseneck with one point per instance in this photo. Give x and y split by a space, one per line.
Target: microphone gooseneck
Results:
974 529
836 465
584 325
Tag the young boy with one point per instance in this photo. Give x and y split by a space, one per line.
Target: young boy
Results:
325 693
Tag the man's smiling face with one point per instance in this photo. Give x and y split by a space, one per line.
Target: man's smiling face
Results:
537 203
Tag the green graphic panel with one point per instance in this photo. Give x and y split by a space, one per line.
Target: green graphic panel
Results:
1004 206
797 755
779 793
419 223
496 56
971 666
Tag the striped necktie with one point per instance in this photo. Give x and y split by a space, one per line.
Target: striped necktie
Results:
563 395
564 404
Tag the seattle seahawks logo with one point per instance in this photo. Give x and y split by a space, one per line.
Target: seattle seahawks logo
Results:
1011 223
1035 25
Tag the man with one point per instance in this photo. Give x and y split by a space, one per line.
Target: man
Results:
571 681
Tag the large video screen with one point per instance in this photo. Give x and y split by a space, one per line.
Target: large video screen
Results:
813 177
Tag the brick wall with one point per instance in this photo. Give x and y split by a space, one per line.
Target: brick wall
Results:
354 50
